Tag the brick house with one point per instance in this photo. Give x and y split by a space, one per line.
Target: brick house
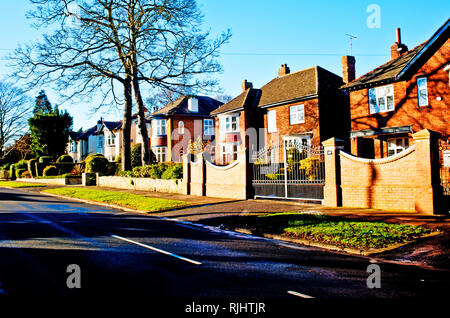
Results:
405 95
304 107
174 126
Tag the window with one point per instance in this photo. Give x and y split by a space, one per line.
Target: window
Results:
271 121
229 124
180 128
297 114
229 152
111 140
208 127
381 99
73 146
397 145
100 141
422 91
159 127
160 153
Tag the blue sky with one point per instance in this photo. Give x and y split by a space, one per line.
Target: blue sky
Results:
266 34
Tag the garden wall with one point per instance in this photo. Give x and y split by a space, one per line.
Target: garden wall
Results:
144 184
54 181
408 181
204 178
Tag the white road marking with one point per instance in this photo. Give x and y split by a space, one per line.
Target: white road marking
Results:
156 249
299 294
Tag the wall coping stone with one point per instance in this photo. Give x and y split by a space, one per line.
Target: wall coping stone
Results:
380 160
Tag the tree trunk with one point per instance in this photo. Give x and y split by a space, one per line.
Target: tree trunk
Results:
126 126
141 120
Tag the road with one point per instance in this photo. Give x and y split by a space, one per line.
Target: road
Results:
131 254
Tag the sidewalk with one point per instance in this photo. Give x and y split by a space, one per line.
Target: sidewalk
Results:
432 252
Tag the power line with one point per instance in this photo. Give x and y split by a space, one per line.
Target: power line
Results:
293 54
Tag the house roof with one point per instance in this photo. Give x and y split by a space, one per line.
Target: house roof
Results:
299 85
180 106
404 66
243 100
112 125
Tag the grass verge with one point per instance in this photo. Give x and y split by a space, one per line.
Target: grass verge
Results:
129 200
343 233
15 184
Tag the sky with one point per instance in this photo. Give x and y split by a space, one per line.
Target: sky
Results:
266 34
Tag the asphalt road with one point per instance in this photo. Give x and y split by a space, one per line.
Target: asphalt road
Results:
121 253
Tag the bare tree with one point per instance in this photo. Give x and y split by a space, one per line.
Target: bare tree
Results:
100 43
15 108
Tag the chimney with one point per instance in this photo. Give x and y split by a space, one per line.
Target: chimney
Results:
283 70
246 85
398 48
348 68
193 105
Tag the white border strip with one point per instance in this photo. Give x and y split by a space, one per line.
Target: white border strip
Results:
156 249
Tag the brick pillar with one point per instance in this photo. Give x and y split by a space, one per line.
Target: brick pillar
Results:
332 189
427 171
186 174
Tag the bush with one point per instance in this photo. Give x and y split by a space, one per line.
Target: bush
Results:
77 170
45 159
65 159
136 155
174 171
12 172
96 163
19 172
22 164
50 171
32 167
26 174
118 158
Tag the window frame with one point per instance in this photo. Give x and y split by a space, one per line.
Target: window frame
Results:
422 78
272 124
294 111
229 121
160 153
159 127
376 109
229 151
208 129
180 130
397 148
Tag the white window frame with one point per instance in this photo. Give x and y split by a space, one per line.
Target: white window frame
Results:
229 124
111 139
397 145
381 102
297 114
160 153
229 151
208 127
73 146
271 121
159 127
181 128
422 86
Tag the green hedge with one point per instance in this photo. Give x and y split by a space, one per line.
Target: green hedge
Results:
160 170
50 171
96 163
64 159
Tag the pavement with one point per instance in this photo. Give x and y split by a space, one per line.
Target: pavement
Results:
124 254
433 252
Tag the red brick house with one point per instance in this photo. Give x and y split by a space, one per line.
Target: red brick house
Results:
407 94
304 107
174 126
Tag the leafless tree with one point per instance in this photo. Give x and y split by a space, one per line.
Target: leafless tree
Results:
98 44
15 108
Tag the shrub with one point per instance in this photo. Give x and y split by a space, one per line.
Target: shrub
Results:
174 171
26 174
19 172
77 170
125 174
136 155
50 171
96 163
12 172
45 159
32 167
65 158
6 166
118 158
22 164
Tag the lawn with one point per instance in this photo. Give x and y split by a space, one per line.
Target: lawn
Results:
129 200
14 184
344 233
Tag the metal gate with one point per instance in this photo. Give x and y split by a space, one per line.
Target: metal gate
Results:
291 170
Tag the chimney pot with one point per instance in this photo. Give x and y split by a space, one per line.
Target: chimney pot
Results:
398 48
283 70
246 85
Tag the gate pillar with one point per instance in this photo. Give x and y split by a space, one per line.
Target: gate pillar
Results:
332 189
